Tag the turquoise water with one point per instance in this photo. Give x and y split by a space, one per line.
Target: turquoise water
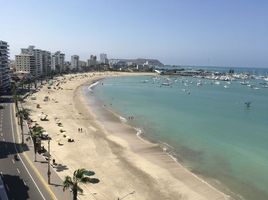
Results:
211 129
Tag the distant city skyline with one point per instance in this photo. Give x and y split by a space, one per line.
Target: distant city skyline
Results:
205 33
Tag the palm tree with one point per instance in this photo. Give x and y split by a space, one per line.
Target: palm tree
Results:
79 176
36 132
23 114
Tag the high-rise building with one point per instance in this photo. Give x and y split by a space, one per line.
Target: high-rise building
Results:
46 60
37 62
57 62
92 61
74 62
25 63
103 58
4 66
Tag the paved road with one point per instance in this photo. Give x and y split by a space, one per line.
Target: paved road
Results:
20 182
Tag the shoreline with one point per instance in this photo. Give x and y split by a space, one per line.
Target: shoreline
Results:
162 146
115 151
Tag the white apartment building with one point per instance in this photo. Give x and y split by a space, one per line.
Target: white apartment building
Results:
74 62
25 63
37 62
4 66
37 53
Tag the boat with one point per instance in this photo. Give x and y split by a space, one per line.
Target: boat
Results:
199 84
244 82
166 84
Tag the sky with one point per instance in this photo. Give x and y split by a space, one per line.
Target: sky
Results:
179 32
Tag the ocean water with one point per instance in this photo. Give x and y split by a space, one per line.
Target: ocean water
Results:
210 128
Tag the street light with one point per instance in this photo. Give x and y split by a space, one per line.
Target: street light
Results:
126 195
48 163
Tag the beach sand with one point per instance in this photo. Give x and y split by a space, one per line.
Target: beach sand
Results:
122 161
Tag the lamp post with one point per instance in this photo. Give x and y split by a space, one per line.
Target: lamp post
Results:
48 163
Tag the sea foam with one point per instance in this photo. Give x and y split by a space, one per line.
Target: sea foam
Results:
92 85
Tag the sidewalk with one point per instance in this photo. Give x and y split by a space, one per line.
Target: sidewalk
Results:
41 164
40 168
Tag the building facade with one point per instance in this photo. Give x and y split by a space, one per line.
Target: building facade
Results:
37 62
74 62
4 66
82 63
92 61
46 60
103 58
25 63
58 62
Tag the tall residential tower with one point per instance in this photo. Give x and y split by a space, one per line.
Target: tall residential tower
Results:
4 66
74 62
103 58
57 62
36 62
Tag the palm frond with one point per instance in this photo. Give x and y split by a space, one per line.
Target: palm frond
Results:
85 179
79 173
67 183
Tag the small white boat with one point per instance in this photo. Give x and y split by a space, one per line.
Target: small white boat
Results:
217 83
166 84
244 82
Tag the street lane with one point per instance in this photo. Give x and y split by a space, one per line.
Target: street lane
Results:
20 182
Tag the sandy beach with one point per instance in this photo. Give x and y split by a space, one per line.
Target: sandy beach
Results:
123 162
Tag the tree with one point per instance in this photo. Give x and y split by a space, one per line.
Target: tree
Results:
79 176
23 114
36 132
